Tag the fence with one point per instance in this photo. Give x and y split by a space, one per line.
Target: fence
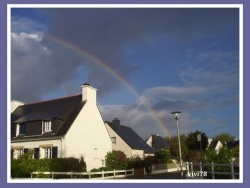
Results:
87 175
210 168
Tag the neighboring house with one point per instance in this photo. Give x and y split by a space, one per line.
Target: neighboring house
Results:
15 104
214 144
156 142
232 144
125 139
64 127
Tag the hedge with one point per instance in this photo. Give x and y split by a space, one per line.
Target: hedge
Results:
22 168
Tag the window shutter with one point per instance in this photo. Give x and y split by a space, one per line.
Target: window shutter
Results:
54 152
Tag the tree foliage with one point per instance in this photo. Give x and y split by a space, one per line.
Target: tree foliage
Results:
195 156
235 151
224 137
135 162
116 160
174 147
193 144
163 156
224 156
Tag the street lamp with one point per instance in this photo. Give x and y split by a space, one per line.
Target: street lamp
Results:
176 113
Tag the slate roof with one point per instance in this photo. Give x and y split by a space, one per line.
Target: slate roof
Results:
232 144
159 143
64 109
130 137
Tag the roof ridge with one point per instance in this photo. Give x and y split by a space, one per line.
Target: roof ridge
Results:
50 100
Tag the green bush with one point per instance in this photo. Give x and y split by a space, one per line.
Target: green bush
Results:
224 156
135 162
116 160
22 167
162 156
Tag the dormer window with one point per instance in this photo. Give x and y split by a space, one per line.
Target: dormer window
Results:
47 127
20 129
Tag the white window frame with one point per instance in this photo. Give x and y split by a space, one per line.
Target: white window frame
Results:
46 126
18 128
48 152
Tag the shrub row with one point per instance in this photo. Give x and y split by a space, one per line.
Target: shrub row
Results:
22 168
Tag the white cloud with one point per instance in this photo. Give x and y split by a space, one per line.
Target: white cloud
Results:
143 120
26 25
171 93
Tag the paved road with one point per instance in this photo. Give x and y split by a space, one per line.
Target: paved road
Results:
169 175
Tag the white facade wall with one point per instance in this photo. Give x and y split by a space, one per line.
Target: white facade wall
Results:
88 138
218 146
39 144
139 153
150 141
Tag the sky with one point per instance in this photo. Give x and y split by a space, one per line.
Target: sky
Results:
144 62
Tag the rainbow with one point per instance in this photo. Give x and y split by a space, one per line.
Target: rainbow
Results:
113 73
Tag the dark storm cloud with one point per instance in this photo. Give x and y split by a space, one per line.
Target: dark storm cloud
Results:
104 33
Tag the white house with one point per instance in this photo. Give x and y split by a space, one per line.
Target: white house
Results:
125 139
64 127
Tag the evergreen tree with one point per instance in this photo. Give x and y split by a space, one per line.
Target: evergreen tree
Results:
193 144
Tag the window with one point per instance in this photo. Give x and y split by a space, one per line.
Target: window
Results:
47 126
54 152
113 140
18 153
48 152
22 128
36 153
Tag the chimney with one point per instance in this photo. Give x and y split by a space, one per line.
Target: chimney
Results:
88 93
116 122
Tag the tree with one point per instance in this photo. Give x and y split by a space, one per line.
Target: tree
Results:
193 144
224 137
174 147
195 156
236 151
163 156
116 160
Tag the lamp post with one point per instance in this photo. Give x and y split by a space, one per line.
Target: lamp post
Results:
176 113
